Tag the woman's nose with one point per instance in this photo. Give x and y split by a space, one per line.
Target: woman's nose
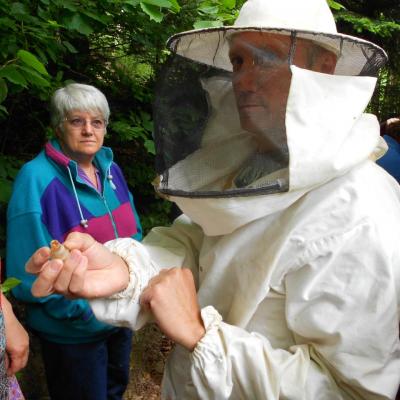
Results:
87 127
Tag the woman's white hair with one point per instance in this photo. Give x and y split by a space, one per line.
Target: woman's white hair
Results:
77 96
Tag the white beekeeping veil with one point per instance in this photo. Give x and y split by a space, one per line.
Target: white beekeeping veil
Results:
221 101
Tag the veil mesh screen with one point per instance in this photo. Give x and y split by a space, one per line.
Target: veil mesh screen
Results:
220 118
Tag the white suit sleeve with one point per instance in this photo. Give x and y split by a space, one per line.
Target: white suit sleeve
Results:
176 246
342 308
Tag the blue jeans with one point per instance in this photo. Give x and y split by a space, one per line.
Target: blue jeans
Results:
88 371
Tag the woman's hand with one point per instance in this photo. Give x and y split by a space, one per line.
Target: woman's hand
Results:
90 271
17 340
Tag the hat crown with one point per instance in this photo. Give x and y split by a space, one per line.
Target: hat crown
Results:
308 15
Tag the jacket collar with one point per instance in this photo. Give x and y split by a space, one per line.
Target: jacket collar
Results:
103 158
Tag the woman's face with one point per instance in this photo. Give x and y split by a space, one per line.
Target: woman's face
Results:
82 134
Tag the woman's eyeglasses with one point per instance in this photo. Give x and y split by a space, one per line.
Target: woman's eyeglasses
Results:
81 122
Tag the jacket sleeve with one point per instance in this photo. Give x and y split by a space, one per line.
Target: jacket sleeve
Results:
25 234
342 309
139 234
175 246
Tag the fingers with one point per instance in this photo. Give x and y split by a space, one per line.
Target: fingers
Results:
153 284
76 285
74 240
64 278
164 279
80 241
35 263
44 284
151 289
98 255
146 297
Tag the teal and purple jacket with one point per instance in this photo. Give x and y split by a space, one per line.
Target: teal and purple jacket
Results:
51 199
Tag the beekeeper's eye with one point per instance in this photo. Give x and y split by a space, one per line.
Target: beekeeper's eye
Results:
237 62
265 58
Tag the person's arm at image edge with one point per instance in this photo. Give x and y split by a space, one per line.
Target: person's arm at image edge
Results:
17 339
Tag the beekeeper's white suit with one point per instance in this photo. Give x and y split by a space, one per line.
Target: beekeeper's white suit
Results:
299 286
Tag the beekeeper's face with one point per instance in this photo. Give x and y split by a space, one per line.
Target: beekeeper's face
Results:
261 80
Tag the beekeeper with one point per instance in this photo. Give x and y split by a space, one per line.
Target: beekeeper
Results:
289 232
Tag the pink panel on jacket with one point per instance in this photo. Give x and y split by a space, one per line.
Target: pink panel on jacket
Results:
125 220
101 227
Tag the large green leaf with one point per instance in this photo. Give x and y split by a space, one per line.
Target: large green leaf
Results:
207 24
30 59
79 23
153 12
132 2
11 73
158 3
229 4
150 147
335 5
104 19
207 9
9 283
33 77
69 6
175 5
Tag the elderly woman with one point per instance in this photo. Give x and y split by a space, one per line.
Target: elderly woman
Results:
72 185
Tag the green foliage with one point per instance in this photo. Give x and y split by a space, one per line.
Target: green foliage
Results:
153 8
9 284
216 13
23 71
335 5
136 126
377 21
380 27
